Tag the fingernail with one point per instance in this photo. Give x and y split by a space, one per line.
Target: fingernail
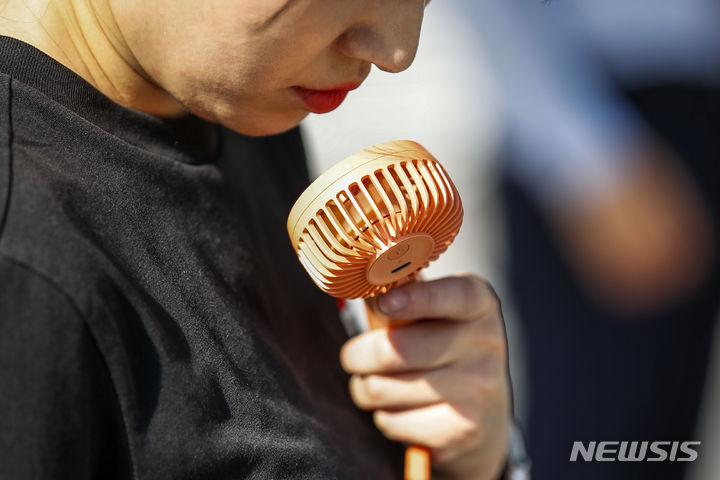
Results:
393 301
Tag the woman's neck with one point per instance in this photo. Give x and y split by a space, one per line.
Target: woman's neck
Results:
84 36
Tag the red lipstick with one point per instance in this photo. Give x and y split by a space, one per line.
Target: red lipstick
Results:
326 100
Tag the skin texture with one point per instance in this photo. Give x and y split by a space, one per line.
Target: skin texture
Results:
440 381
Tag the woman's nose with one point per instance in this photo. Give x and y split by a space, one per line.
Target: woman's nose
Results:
387 35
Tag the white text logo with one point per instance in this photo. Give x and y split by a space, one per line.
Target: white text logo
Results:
625 451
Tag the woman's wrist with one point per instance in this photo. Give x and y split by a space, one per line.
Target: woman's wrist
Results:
515 467
518 462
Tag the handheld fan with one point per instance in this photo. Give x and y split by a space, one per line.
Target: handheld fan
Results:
370 223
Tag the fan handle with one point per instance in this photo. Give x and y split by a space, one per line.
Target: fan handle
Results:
417 458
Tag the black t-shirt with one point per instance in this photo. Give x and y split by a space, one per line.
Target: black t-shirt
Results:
154 320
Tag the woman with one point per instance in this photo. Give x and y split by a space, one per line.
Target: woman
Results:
154 322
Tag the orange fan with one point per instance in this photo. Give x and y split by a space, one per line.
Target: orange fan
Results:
370 223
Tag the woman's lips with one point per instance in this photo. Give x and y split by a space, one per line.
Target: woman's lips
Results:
323 101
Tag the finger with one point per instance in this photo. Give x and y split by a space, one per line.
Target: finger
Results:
423 345
458 298
472 382
441 427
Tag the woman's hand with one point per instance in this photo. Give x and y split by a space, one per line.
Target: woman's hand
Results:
441 381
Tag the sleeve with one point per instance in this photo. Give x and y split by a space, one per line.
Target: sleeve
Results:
569 132
58 413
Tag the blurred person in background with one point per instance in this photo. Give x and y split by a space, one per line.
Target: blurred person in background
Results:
612 171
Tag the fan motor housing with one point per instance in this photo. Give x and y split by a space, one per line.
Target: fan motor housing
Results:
407 256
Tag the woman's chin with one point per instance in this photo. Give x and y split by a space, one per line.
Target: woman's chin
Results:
261 125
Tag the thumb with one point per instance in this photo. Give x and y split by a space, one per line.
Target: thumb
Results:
393 301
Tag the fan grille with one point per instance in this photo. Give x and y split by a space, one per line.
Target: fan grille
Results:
403 192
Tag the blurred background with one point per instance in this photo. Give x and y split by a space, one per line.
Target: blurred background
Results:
584 138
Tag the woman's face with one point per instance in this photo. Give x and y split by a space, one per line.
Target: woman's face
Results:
260 66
